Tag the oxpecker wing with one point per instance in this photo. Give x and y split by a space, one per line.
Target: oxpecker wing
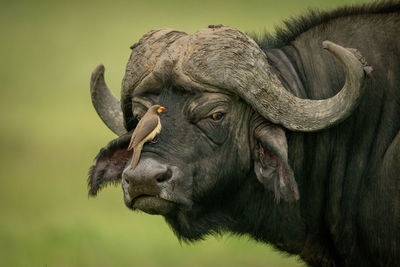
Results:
148 127
144 128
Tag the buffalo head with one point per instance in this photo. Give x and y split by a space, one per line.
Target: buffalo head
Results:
223 137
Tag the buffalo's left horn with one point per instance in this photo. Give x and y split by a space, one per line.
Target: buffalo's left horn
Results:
278 105
106 104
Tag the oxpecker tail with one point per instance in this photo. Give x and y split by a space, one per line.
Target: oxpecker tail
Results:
131 145
136 156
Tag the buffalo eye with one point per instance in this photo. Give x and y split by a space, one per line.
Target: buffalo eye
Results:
217 116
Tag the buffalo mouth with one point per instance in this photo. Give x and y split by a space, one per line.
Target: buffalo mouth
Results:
151 204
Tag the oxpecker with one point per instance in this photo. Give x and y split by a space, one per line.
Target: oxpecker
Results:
148 128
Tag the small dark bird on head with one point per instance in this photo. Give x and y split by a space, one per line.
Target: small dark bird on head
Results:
148 128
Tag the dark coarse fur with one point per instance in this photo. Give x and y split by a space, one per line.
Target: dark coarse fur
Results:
349 208
298 25
349 176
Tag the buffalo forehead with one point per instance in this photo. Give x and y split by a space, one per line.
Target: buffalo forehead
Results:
208 60
218 58
145 55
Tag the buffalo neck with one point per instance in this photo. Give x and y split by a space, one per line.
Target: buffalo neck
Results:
318 160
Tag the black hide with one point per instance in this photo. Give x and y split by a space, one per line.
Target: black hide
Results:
340 200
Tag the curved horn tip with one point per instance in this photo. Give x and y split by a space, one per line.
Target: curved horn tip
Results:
326 44
105 103
331 45
99 68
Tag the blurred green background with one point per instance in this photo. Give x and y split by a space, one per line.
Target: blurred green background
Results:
50 133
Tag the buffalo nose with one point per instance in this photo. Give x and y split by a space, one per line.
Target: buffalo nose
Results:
148 178
147 171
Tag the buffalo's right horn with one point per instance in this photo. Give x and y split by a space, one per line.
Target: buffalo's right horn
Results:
106 104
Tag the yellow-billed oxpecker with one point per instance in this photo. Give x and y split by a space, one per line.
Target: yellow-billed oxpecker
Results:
148 128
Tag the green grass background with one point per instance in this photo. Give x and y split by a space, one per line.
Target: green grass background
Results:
50 132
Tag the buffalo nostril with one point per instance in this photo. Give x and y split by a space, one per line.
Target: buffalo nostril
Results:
125 179
162 177
125 186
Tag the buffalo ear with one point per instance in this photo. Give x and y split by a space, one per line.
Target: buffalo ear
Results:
271 162
109 165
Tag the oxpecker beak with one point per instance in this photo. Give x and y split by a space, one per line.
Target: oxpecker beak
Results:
160 109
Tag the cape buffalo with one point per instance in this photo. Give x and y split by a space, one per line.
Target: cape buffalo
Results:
273 137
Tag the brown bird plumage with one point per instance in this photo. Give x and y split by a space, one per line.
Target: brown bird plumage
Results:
148 127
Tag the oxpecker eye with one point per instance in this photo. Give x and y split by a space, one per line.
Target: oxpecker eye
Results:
217 116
